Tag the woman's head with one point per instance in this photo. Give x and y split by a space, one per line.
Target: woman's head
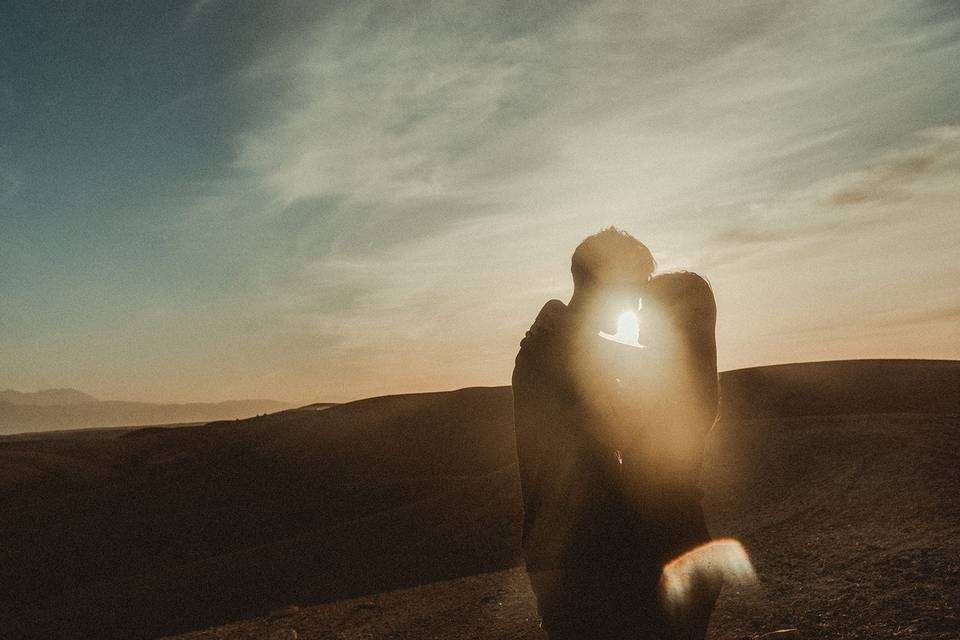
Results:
679 310
680 317
682 297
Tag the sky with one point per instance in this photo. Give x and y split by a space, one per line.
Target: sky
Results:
314 201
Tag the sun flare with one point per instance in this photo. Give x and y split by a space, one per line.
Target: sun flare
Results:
718 562
628 330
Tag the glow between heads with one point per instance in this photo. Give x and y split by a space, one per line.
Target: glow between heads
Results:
628 330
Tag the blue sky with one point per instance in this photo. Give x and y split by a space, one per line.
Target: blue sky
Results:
212 200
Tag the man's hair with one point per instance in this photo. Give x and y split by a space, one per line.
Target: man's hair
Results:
611 257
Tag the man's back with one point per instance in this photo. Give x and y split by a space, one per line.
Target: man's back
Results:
580 530
546 417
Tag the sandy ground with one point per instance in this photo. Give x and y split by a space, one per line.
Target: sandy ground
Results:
491 605
852 522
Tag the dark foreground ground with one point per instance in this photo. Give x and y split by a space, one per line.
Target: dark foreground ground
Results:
853 524
840 478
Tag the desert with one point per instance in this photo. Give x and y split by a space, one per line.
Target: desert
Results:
398 516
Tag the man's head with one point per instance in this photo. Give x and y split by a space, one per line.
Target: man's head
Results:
611 258
609 270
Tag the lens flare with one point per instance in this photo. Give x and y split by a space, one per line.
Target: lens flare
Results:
628 330
703 570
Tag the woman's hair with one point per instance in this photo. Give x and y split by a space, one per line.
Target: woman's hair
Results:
611 257
684 297
682 307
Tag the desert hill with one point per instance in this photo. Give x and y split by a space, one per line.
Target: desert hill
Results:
842 387
149 532
196 525
58 409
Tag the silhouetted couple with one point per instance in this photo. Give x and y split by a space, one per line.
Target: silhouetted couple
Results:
610 437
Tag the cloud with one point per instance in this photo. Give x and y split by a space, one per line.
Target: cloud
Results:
409 179
11 181
197 9
908 319
890 176
9 99
12 178
880 193
467 153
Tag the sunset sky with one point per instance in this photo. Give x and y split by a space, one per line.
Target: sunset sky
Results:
327 201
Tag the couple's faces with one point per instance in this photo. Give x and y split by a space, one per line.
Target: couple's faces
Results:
615 306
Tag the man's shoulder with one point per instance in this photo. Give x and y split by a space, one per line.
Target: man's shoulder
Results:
550 320
552 309
548 325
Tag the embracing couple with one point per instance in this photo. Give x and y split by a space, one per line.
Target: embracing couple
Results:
610 434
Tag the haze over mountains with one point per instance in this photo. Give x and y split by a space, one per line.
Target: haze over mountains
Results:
46 397
53 409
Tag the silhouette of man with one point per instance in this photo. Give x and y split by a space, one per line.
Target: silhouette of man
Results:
600 516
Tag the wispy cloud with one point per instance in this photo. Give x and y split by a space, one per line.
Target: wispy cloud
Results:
912 183
11 181
197 9
467 154
894 174
408 180
12 178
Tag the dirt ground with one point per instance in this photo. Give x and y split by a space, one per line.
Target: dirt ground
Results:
852 523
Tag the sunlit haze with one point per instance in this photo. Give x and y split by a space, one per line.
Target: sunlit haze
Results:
628 329
206 200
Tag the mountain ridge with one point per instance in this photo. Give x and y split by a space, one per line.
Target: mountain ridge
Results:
20 415
46 397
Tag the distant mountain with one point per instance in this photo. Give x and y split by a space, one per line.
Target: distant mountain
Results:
46 397
56 409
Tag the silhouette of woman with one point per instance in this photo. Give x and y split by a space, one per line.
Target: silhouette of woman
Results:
664 468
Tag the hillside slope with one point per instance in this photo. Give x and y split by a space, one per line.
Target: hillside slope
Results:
842 387
157 531
852 523
190 526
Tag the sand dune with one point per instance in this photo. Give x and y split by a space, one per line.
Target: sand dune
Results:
849 514
843 387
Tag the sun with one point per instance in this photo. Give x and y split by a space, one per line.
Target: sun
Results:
628 330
